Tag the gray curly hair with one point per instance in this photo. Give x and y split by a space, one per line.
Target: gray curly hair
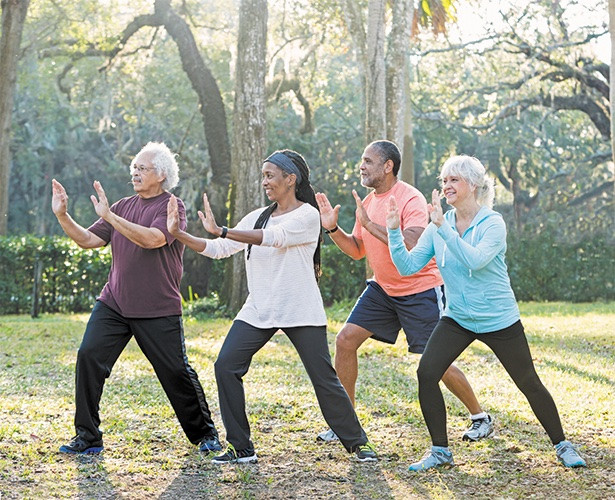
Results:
474 173
164 162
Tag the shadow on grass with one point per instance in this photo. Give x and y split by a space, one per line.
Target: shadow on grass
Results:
568 368
194 483
92 477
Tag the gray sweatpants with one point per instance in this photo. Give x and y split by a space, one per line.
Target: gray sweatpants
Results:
243 341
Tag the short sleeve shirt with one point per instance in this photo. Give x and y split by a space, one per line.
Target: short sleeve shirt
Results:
143 283
413 209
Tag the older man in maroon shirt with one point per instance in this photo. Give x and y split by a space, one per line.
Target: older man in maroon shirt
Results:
141 299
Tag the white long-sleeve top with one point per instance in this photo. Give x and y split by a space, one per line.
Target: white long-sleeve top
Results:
282 287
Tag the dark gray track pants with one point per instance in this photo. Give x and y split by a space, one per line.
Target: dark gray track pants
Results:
243 341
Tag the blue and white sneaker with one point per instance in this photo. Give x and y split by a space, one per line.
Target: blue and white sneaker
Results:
568 455
209 444
437 456
80 446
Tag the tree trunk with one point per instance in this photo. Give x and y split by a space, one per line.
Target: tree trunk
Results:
13 19
375 96
612 74
397 70
249 132
211 105
406 173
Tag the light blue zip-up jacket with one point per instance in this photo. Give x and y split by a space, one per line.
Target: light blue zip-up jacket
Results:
477 288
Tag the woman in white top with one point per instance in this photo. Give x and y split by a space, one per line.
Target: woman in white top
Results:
282 258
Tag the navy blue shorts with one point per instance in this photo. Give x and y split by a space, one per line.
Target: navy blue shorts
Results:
384 316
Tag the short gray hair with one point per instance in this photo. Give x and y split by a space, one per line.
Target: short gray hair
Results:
472 171
164 162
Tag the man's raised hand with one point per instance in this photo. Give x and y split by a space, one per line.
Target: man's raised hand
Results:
392 214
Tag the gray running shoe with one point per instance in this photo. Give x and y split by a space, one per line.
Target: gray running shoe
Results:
327 436
568 455
481 428
437 456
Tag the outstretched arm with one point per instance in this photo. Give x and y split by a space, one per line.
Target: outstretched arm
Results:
407 261
145 237
250 236
76 232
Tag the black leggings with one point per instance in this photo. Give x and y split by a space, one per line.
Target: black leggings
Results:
448 341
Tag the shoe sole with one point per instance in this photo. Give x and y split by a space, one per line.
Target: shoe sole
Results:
88 451
468 438
442 466
244 460
366 460
324 440
574 465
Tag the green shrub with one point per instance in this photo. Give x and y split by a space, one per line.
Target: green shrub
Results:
70 277
204 308
543 269
342 278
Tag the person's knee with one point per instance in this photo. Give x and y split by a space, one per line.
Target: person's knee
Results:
87 353
220 367
426 374
227 365
531 386
348 339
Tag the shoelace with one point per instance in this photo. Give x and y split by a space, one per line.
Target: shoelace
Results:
231 452
426 455
366 447
477 423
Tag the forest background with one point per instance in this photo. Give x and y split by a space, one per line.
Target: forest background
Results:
523 86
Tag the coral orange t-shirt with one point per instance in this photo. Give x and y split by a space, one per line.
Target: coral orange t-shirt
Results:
413 212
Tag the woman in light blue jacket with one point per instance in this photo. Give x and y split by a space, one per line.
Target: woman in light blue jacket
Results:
469 243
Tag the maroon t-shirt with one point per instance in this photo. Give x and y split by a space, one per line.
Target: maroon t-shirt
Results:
143 283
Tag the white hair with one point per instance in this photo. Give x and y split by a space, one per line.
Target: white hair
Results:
164 162
472 171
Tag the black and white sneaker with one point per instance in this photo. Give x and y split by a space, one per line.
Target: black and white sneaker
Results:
233 456
366 453
481 428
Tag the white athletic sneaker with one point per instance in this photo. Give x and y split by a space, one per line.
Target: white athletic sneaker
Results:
327 436
481 428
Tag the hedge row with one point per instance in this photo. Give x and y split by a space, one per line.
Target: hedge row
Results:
69 278
543 269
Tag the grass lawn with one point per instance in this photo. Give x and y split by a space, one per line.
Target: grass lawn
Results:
147 456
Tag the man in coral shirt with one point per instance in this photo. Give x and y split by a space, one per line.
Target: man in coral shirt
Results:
391 301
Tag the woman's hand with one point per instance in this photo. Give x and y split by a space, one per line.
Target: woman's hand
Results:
435 209
392 214
207 218
328 214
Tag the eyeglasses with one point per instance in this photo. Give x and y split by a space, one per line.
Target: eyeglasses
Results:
141 169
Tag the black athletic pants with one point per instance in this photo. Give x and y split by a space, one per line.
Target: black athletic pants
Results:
243 341
162 342
448 341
